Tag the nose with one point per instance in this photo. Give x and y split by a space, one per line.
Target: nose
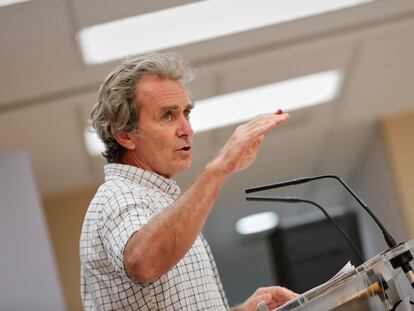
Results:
184 129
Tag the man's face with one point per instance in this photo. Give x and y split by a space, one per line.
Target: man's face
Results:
164 141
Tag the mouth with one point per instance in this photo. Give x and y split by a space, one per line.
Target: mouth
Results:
185 149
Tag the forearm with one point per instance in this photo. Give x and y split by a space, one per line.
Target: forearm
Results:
160 244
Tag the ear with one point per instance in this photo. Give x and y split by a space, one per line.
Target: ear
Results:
125 139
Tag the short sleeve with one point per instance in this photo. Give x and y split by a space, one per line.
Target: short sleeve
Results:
127 214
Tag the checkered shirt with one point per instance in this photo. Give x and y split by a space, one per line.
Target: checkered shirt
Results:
125 202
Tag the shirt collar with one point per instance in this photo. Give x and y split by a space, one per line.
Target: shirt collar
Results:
141 177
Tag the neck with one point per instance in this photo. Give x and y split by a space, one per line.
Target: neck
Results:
131 159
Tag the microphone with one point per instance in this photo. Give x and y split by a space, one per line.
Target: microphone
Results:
297 200
387 236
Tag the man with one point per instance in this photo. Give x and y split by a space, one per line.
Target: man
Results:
141 245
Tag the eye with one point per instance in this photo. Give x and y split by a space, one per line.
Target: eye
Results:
187 113
167 116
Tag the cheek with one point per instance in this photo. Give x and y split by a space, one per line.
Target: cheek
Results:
164 147
158 141
160 144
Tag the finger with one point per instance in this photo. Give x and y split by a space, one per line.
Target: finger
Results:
267 298
260 139
257 142
281 292
280 295
291 293
266 118
277 303
263 124
288 293
269 122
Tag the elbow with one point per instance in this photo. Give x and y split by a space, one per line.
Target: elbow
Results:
140 270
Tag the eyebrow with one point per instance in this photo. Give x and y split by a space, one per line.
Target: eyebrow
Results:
175 107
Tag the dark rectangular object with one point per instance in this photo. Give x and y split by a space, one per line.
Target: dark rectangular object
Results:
311 250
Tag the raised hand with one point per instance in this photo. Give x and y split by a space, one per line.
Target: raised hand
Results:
241 149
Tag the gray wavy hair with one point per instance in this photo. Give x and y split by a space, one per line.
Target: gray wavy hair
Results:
117 108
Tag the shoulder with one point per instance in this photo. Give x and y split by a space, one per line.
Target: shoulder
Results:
117 196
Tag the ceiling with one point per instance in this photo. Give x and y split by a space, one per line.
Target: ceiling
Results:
46 90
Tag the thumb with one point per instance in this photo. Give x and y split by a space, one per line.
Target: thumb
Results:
265 297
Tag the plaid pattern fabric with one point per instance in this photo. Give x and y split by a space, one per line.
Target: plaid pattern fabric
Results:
125 202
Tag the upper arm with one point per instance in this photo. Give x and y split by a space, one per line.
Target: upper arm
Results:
118 225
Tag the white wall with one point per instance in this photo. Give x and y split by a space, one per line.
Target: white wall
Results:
28 276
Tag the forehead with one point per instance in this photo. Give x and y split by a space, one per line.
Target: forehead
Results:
153 91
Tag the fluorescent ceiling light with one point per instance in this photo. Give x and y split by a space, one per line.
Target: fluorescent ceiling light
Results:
256 223
241 106
193 22
288 95
11 2
94 144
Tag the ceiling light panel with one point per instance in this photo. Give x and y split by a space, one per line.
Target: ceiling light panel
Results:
93 143
192 23
256 223
11 2
288 95
233 108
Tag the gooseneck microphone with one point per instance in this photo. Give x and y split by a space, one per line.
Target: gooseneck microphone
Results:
297 200
387 236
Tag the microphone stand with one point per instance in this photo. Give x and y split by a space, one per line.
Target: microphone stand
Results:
399 261
387 236
297 200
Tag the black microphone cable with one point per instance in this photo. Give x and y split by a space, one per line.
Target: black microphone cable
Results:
297 200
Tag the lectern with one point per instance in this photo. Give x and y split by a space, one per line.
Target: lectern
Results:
385 282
